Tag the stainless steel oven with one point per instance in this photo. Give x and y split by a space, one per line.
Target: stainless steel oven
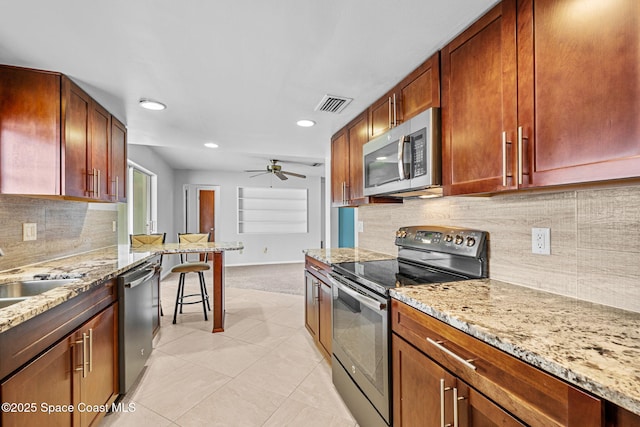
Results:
361 346
360 307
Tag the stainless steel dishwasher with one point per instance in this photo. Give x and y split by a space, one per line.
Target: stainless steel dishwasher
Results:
135 316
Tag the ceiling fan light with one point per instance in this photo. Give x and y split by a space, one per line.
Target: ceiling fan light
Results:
305 123
150 104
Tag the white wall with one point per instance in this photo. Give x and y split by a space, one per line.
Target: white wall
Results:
280 248
147 158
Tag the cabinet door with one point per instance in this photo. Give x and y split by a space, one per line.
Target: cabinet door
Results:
326 332
417 395
479 103
475 410
357 135
581 123
100 123
420 89
340 169
76 112
98 383
45 380
383 114
311 303
118 162
29 132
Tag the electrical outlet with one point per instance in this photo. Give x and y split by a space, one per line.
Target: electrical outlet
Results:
266 250
114 226
29 231
541 241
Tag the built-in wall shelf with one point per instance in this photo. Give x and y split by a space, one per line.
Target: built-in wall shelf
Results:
272 210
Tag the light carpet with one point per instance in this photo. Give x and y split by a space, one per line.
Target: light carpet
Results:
283 278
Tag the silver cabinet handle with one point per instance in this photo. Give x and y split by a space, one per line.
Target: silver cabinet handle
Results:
90 349
504 159
141 280
520 138
395 110
84 362
456 399
98 183
439 345
390 122
442 390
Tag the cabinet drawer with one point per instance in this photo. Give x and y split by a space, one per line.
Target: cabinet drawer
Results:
530 394
317 268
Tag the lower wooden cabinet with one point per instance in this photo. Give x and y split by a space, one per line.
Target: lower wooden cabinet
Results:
427 395
69 384
318 304
495 388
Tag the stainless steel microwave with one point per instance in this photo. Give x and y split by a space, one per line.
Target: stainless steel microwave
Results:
406 159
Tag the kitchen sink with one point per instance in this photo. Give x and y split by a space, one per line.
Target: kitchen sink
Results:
30 288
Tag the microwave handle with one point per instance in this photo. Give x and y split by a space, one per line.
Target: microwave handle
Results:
401 172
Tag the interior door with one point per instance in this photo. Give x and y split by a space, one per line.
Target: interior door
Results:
206 214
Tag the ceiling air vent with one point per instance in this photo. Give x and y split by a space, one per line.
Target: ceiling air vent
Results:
333 104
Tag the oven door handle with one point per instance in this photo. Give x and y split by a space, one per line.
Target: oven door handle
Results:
362 299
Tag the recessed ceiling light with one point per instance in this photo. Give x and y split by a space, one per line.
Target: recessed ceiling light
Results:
150 104
305 123
211 145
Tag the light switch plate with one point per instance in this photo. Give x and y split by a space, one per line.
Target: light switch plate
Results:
360 226
541 241
29 231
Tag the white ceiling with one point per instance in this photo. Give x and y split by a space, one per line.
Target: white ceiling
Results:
238 72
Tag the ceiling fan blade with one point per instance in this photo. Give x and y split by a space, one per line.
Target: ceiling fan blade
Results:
280 175
256 170
294 174
253 176
297 162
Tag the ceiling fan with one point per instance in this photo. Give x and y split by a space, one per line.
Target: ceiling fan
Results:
276 170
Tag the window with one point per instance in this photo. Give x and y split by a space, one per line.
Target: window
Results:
142 200
272 210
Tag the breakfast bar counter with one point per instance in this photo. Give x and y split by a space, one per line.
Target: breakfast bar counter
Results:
94 267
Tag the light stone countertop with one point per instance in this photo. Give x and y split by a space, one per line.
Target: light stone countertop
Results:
95 267
337 255
595 347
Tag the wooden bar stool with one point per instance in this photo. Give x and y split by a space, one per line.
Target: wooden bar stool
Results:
139 240
192 267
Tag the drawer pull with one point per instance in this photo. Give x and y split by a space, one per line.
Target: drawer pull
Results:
439 345
442 390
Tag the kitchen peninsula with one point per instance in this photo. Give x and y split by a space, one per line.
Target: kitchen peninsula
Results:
94 267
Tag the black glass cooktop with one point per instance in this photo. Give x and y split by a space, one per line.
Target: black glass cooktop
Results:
383 275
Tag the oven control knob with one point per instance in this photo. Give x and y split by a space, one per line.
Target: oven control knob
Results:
353 369
471 241
459 239
448 238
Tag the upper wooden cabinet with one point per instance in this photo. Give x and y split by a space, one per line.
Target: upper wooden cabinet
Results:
479 104
340 168
357 136
539 93
55 140
415 93
578 90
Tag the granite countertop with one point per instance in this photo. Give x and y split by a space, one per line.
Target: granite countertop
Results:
91 269
336 255
595 347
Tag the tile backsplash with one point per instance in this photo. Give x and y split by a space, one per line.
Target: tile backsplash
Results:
63 228
595 237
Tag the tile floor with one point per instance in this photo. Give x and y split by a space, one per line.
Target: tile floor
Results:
263 370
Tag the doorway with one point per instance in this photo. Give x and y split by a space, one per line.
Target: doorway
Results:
200 204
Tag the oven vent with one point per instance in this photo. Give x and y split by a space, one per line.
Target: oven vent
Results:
333 104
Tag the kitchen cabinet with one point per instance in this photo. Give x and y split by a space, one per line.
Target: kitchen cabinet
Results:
318 304
56 140
357 137
340 168
428 395
118 161
64 356
525 101
479 105
415 93
492 387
